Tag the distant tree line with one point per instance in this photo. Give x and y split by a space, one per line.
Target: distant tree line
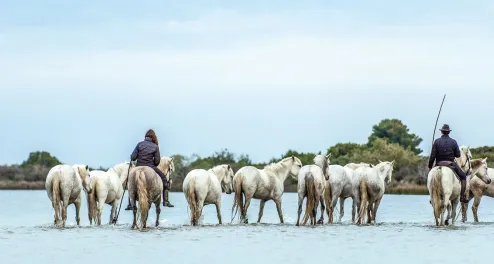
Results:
389 140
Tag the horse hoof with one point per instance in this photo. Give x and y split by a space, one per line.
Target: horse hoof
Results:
320 222
446 222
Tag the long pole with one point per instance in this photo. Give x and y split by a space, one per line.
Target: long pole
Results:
121 199
435 126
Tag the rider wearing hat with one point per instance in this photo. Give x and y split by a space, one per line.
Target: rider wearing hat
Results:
444 151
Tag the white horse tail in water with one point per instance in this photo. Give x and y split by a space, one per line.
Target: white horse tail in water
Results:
363 201
312 199
92 207
436 193
238 202
328 200
57 204
142 193
194 208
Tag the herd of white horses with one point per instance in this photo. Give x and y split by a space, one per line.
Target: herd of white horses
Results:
320 183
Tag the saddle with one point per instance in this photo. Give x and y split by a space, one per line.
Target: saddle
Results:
448 164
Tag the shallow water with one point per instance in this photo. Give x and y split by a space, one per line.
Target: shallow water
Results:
404 234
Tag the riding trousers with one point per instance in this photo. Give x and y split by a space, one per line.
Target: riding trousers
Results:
455 168
162 176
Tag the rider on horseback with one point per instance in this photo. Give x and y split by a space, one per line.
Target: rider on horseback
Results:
147 153
444 151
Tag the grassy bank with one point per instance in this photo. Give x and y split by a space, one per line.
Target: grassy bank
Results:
407 189
22 185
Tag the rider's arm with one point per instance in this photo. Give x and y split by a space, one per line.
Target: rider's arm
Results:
133 156
157 157
433 155
457 151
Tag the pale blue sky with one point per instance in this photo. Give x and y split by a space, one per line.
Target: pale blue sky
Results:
85 79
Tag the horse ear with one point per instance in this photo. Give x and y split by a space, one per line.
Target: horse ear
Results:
380 161
229 167
393 162
87 167
172 158
293 158
328 156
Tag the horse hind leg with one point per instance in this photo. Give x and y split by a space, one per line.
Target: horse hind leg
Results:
77 205
342 208
374 209
323 208
370 208
454 205
113 215
65 204
246 207
299 211
314 214
442 209
158 211
101 204
448 216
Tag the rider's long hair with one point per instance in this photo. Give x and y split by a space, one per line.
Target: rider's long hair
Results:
150 133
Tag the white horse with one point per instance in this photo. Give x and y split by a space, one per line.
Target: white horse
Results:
203 187
64 185
122 170
479 186
166 164
368 186
146 187
107 188
444 187
311 181
263 184
339 185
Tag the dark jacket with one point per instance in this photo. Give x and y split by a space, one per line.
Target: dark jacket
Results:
147 153
444 149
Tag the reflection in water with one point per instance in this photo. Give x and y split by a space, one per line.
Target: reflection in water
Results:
405 233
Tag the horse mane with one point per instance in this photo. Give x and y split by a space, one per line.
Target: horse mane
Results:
166 163
475 163
217 168
277 166
321 160
463 149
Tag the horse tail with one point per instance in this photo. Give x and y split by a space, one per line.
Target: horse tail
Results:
92 204
328 199
142 193
363 200
56 194
239 199
310 189
436 186
191 194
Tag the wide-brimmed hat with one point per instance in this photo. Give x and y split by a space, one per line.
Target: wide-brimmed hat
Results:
445 128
